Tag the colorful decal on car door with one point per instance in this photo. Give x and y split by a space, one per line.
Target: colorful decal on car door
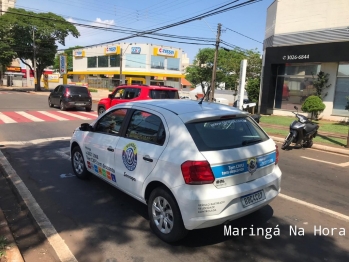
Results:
129 156
249 165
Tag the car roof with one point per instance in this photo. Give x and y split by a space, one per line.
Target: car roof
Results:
189 110
150 87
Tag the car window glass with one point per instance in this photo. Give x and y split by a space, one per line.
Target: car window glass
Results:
131 93
111 122
78 90
225 134
146 127
119 93
60 89
164 94
56 89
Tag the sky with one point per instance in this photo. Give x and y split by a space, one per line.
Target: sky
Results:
142 15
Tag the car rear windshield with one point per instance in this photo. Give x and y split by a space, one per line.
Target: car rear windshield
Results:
78 90
226 133
164 94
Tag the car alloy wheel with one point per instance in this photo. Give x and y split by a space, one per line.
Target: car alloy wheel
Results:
62 106
49 103
101 110
165 218
78 163
162 215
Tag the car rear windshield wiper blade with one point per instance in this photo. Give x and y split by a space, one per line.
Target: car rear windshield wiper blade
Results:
252 141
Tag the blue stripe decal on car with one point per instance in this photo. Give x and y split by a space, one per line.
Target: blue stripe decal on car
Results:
242 166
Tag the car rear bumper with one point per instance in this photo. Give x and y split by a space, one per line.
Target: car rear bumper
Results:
73 104
206 206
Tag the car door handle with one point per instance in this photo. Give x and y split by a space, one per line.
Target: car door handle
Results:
110 149
148 159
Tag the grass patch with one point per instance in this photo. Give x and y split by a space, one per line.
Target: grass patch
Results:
3 243
330 141
325 126
93 90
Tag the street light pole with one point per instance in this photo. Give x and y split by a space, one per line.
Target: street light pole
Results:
213 80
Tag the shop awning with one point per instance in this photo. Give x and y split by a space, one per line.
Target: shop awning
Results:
185 82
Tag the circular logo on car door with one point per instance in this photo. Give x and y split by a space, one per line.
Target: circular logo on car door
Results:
129 156
252 165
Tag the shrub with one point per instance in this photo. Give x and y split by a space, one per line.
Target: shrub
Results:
92 90
313 105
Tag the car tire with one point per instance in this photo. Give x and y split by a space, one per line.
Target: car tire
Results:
162 204
87 109
78 163
49 103
101 110
62 106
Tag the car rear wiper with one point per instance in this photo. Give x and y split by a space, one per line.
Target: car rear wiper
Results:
251 141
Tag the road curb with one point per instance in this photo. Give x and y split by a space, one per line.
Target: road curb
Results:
319 147
12 252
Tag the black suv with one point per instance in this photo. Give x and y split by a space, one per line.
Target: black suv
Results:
70 96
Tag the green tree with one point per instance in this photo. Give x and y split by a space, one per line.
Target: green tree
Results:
314 105
320 84
20 27
228 67
69 53
252 89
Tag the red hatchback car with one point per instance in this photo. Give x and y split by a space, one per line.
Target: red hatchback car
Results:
127 93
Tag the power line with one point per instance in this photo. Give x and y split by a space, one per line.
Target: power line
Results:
243 35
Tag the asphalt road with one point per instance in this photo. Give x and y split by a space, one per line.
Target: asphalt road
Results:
99 223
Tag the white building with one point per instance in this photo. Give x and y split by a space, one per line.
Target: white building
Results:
301 39
99 66
6 4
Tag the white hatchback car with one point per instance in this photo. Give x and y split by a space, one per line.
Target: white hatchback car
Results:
194 165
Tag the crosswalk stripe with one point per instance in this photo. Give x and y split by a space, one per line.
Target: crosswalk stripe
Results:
6 119
90 114
75 115
31 117
53 116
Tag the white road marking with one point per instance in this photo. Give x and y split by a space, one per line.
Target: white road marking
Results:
32 118
34 142
66 175
6 119
53 116
316 208
62 250
90 114
345 164
74 115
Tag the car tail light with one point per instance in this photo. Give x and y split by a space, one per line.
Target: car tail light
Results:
277 155
67 93
197 172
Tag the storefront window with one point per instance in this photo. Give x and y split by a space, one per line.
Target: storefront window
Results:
135 61
292 90
91 62
103 61
173 64
342 91
114 60
157 62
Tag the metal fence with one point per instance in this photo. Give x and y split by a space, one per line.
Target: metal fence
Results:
101 82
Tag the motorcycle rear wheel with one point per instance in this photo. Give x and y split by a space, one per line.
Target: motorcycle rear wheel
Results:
287 142
308 144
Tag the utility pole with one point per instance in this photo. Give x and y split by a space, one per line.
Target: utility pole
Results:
213 81
34 61
120 81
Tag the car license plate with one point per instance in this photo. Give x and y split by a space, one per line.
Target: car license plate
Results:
79 104
252 198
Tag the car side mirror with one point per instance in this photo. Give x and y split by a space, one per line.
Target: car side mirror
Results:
110 96
86 127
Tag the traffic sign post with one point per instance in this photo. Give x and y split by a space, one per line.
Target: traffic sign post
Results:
63 68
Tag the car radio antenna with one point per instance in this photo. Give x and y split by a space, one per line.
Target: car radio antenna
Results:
207 92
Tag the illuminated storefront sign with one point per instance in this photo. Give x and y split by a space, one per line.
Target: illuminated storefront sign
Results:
166 52
111 50
79 53
136 50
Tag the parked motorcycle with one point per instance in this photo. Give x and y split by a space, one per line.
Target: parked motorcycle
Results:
302 131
